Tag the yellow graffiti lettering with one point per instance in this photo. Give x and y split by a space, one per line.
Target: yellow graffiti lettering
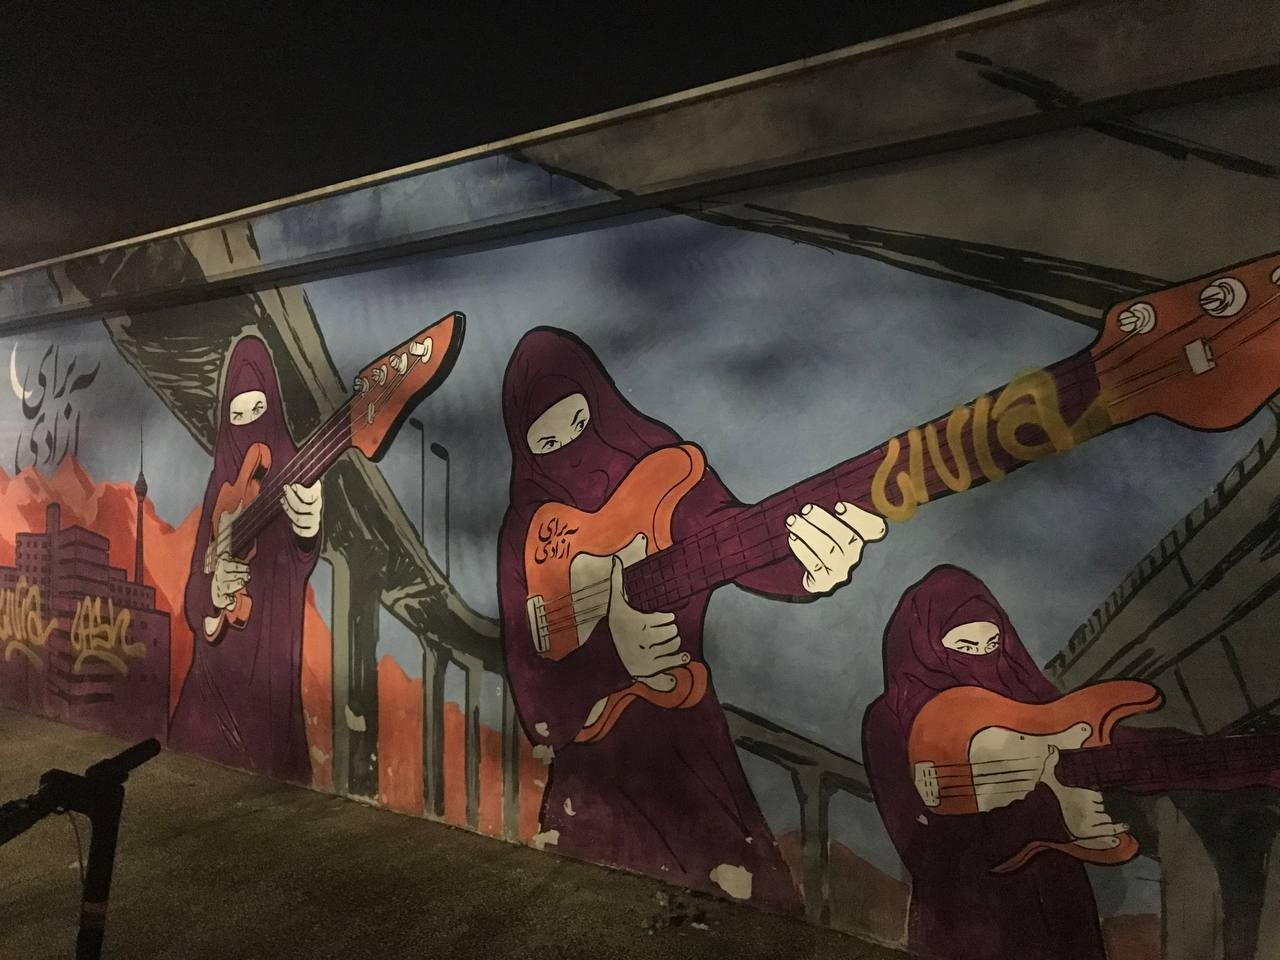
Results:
95 637
1030 400
23 629
982 440
880 487
961 478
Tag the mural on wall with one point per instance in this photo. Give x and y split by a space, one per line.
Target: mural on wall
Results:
272 599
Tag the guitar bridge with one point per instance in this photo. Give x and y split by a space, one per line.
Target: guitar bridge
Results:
538 624
927 783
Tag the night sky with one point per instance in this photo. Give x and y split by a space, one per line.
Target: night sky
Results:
119 118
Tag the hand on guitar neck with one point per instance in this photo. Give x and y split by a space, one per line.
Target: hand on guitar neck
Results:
828 545
383 394
303 506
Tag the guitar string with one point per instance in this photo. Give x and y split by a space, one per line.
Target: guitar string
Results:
305 459
556 605
1261 330
312 451
1243 315
1176 362
1144 345
589 590
230 533
1133 753
300 466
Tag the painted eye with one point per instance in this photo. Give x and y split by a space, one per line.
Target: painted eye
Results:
550 444
577 427
237 415
259 407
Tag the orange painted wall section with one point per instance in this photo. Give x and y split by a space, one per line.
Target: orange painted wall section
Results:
400 759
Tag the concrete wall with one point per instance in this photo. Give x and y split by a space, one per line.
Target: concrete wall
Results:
788 271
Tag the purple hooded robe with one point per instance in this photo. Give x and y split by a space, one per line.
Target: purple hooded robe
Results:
664 793
959 909
241 703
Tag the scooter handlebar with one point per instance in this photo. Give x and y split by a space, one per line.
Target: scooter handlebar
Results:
117 768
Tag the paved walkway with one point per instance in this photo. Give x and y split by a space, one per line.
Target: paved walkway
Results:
214 863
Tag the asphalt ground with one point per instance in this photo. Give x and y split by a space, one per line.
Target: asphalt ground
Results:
216 863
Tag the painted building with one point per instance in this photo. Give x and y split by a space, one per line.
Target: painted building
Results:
84 643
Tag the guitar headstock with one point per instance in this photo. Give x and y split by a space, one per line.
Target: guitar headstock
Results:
1205 353
388 389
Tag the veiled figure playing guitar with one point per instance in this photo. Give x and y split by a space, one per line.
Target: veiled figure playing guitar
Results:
259 539
644 773
988 779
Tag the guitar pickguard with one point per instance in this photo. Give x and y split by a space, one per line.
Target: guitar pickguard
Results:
1007 765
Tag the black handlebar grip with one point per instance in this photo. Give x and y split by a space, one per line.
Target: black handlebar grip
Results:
19 815
118 767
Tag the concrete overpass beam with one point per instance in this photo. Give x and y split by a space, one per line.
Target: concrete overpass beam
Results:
357 590
1192 893
512 737
473 667
433 668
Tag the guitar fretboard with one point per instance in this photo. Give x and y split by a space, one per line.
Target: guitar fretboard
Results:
1162 761
938 460
315 455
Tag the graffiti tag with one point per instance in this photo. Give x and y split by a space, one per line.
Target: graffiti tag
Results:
553 540
95 637
49 407
1029 400
23 628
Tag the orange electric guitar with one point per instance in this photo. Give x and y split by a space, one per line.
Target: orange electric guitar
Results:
1204 353
384 394
972 751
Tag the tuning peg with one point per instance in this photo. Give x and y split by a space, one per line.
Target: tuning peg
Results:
421 350
1224 297
399 362
359 384
379 374
1137 318
1275 276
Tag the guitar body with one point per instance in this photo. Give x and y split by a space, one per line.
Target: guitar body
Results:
568 556
968 743
232 500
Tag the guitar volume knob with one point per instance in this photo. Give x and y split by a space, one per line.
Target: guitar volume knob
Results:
1225 297
1137 318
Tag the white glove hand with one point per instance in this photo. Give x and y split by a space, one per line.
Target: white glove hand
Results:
647 643
229 577
302 505
830 545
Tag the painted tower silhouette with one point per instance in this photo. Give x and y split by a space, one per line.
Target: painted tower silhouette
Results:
139 488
